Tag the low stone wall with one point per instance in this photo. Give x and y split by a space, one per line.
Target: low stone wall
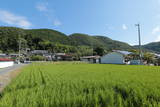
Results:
4 64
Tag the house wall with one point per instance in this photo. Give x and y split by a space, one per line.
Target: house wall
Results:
113 58
136 62
6 64
87 60
84 60
96 60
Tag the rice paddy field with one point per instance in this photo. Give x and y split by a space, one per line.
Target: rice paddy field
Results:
74 84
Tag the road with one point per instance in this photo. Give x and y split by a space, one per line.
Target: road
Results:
6 74
10 69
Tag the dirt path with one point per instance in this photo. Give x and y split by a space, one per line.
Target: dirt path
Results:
6 74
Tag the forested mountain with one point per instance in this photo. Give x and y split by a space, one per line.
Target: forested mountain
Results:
154 46
93 41
54 41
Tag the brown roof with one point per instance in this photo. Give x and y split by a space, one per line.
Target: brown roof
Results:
5 59
90 57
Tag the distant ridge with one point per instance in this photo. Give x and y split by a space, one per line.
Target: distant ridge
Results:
154 46
33 37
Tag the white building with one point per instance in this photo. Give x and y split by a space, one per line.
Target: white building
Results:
116 57
4 62
90 59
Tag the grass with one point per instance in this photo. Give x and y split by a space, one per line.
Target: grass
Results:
83 85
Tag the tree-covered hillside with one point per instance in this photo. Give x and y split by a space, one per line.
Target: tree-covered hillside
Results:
54 41
49 35
98 41
154 46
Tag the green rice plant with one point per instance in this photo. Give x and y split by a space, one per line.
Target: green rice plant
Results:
76 84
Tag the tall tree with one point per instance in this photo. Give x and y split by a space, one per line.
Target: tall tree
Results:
99 51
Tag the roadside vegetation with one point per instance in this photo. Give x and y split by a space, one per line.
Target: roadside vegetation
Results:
75 84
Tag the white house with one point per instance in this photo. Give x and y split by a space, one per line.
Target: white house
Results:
116 57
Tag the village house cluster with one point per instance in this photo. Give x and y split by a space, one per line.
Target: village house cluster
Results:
114 57
119 57
27 56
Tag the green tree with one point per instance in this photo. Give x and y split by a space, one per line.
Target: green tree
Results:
148 57
99 51
37 58
158 61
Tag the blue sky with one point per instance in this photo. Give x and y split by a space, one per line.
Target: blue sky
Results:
111 18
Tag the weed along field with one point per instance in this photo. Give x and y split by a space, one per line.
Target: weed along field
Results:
74 84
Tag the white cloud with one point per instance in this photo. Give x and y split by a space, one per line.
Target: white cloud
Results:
57 22
14 20
158 39
42 7
124 27
156 30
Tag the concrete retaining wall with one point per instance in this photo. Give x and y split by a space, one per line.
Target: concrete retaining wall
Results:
4 64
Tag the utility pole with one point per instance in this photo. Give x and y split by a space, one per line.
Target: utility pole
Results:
19 54
139 37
